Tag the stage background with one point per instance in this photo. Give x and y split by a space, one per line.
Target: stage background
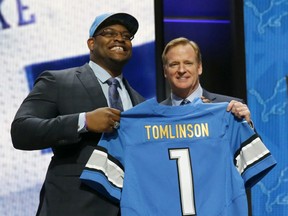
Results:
229 52
266 33
37 35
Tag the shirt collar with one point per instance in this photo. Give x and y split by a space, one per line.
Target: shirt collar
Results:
196 94
101 74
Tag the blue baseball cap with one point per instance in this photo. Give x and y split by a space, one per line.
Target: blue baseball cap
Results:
107 19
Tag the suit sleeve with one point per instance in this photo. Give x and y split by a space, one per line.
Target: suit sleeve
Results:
38 124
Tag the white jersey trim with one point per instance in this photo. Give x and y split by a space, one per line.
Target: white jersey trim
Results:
99 161
250 153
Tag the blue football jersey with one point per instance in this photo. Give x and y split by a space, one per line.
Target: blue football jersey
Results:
195 159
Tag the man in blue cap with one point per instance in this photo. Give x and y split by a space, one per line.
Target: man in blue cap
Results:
68 110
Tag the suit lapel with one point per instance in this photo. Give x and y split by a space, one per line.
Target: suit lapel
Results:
208 95
92 86
167 101
135 98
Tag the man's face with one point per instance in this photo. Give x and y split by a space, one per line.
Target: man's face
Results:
182 70
110 45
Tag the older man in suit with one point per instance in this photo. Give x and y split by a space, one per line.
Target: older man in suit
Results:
68 110
182 66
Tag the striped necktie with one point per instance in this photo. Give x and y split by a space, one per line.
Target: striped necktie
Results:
184 102
114 97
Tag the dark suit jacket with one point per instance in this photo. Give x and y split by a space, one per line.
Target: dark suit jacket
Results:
214 98
48 117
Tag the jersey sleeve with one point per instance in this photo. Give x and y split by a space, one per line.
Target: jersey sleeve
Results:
104 171
252 158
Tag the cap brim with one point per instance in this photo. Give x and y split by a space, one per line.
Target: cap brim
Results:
124 19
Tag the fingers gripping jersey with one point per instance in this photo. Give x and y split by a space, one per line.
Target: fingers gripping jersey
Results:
186 160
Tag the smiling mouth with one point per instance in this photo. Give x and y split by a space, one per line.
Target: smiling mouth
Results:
182 78
117 48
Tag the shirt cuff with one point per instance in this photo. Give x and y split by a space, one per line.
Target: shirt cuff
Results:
82 123
251 124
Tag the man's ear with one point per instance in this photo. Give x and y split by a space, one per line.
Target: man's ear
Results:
90 43
164 71
200 69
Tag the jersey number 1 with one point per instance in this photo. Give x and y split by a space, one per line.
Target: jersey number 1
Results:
182 157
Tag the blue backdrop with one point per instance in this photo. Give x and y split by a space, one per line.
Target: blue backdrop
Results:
266 31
